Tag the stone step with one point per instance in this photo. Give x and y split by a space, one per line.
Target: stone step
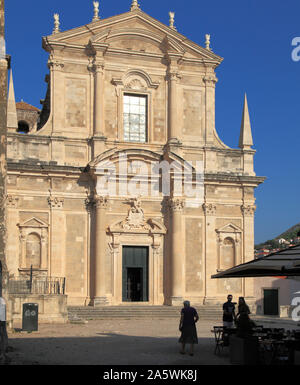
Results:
89 312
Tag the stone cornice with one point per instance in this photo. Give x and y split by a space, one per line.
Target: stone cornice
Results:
232 177
29 166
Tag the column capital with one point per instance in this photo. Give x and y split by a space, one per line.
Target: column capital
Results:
248 210
210 80
55 202
12 201
173 75
55 63
209 209
176 204
98 67
100 202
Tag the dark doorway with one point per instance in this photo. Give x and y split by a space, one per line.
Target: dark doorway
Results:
134 284
135 274
271 302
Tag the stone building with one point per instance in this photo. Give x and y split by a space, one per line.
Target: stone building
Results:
4 66
127 97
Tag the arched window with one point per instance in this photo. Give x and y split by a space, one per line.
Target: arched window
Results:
23 127
227 254
33 251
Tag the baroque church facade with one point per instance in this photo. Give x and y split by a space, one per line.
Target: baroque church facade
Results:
124 94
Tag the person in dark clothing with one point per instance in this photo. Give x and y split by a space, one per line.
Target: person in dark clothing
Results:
228 312
187 326
242 307
244 325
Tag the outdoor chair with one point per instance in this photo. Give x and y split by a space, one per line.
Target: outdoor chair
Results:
220 341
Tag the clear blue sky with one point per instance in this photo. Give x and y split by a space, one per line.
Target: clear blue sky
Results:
254 38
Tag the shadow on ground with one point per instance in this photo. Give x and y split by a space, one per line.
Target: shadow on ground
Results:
111 349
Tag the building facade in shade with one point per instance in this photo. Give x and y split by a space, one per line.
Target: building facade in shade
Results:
130 103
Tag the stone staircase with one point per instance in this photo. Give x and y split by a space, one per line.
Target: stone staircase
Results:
77 313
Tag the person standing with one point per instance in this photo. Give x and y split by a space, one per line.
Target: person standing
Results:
242 307
187 326
228 312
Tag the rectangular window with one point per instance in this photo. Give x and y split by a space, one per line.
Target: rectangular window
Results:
135 118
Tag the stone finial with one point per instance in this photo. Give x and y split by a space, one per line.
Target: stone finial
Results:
96 11
12 119
56 23
207 42
134 5
246 140
172 20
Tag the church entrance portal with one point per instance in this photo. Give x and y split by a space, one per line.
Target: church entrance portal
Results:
135 280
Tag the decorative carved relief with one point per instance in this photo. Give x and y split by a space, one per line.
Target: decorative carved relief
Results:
136 84
135 221
131 77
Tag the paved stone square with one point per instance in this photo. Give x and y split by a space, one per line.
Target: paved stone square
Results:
113 342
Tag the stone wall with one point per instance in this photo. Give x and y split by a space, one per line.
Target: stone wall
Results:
51 308
3 125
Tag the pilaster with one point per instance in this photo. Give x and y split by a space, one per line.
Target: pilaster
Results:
173 77
210 82
100 297
177 254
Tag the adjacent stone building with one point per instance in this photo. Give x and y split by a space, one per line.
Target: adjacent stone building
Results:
4 65
127 97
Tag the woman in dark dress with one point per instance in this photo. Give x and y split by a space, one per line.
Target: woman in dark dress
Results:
242 307
187 326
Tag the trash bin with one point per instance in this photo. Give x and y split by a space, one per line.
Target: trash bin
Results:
30 317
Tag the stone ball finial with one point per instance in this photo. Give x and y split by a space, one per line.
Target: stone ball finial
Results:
56 23
172 20
96 11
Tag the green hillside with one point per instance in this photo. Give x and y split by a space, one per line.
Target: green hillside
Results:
291 233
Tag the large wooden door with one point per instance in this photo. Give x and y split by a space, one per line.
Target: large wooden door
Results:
135 274
271 302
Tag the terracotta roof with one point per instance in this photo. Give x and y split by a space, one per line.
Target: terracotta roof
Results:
25 106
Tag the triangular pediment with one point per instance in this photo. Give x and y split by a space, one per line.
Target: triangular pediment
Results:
229 228
33 222
135 27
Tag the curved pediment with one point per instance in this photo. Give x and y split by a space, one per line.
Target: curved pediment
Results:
115 158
